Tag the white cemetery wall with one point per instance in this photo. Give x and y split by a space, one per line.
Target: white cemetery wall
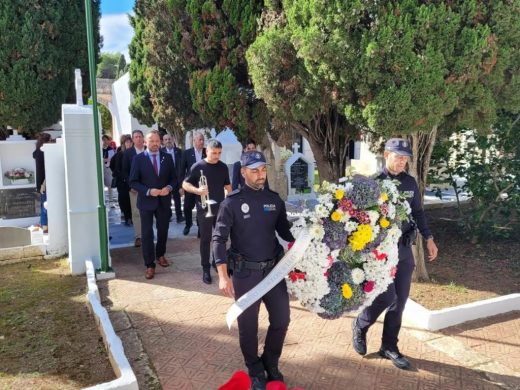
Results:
56 198
81 186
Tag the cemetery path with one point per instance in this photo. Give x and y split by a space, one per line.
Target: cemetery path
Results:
174 327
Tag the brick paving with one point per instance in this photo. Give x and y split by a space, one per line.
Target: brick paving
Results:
181 324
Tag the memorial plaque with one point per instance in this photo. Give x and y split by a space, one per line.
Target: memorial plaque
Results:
19 203
300 175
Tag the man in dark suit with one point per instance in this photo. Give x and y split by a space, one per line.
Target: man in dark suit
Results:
138 148
190 157
153 177
237 180
170 148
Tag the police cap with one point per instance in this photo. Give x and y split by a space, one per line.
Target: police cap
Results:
252 159
399 146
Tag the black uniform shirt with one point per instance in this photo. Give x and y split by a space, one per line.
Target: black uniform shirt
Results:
409 187
252 218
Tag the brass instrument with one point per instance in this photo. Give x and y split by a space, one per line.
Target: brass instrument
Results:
204 199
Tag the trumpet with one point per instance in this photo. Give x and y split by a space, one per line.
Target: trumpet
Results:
204 199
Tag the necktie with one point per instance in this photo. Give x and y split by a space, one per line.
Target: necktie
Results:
155 167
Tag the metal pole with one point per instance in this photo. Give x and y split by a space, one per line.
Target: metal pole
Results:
102 215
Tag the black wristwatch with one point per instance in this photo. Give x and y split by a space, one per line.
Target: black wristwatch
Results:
430 236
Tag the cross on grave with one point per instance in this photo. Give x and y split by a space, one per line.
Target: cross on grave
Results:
295 147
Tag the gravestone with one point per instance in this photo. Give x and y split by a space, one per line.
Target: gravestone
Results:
11 237
19 203
300 176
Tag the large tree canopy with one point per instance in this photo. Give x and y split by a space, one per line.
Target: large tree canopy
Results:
404 67
158 64
190 68
41 43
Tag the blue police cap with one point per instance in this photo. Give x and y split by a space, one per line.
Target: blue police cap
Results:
252 159
399 146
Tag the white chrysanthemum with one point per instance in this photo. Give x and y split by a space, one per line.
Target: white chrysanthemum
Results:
351 226
358 276
317 231
325 198
391 211
348 187
374 217
321 211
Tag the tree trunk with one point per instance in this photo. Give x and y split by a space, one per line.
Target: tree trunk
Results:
328 135
422 146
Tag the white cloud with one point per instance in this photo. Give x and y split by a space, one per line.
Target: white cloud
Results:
117 33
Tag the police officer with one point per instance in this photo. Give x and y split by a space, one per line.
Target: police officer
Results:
252 216
396 155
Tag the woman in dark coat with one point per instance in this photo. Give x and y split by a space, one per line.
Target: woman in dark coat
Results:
116 164
38 156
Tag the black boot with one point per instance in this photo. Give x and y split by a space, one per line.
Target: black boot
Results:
392 353
273 373
359 338
258 382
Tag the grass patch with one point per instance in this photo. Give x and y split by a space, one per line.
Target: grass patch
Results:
456 288
48 338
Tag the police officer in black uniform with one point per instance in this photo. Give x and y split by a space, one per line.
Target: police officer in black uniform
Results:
396 154
252 216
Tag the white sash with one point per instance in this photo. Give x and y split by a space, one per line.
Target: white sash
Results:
284 266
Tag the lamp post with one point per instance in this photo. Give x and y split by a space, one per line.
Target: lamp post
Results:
102 215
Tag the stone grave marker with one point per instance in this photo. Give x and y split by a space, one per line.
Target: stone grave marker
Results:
11 237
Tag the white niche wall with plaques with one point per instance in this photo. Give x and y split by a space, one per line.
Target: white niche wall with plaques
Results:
19 203
15 160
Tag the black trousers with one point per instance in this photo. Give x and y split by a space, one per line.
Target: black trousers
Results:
123 198
276 302
162 221
176 197
206 226
189 204
394 299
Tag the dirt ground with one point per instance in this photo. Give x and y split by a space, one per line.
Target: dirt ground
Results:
48 338
466 272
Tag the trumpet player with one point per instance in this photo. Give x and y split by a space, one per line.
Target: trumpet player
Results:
208 179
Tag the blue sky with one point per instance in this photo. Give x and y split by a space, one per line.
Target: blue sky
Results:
115 27
116 6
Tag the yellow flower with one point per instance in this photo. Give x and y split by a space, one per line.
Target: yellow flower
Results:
384 196
336 216
360 237
347 291
340 193
384 223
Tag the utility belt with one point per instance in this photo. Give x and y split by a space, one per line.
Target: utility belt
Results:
237 262
408 239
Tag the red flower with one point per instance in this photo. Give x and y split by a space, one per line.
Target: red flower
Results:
393 272
379 255
295 275
290 245
369 286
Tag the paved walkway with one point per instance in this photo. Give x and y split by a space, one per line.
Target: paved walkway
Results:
175 336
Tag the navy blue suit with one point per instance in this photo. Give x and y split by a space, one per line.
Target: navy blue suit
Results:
142 179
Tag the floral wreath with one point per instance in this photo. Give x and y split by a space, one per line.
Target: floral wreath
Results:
353 253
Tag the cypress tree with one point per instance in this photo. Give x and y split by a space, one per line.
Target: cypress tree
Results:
41 43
